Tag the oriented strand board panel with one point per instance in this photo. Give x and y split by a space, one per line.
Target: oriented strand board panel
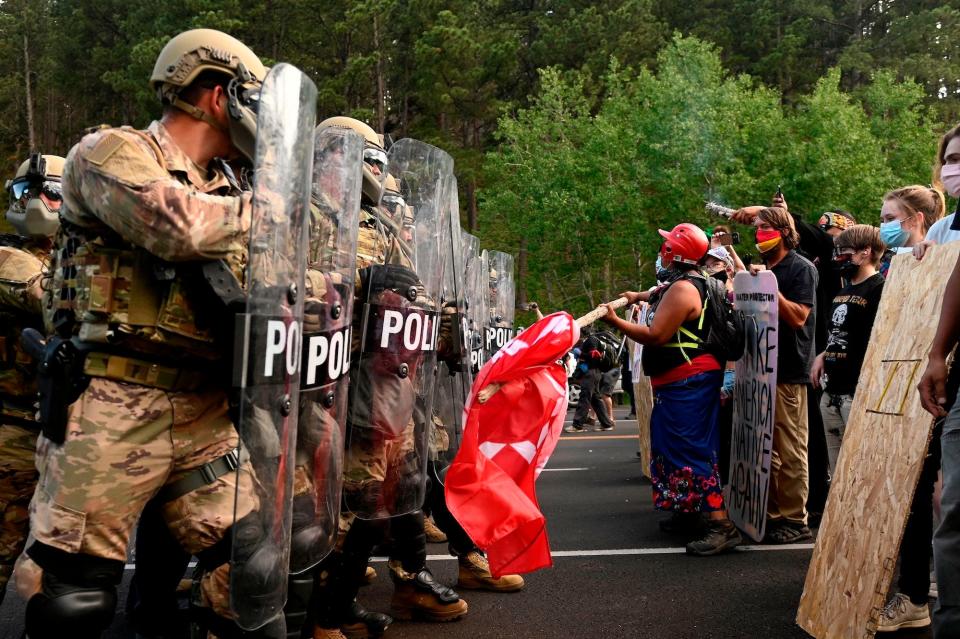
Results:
880 461
643 399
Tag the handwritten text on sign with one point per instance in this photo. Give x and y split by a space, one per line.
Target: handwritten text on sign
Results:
754 402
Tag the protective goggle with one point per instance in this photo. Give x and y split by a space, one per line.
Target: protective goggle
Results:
30 187
393 203
376 157
843 254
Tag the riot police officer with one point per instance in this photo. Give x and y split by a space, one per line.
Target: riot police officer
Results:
35 199
143 411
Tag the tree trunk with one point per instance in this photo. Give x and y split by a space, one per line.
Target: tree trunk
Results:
522 273
381 84
472 205
28 96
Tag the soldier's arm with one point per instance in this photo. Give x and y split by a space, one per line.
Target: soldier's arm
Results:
123 184
20 275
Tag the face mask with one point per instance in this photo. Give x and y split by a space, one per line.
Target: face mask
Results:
720 275
892 234
767 240
950 176
662 273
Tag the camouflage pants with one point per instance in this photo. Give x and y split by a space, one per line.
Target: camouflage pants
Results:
18 478
124 443
382 475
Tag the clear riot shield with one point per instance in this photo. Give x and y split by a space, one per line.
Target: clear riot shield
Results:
393 372
325 360
455 377
501 301
268 346
476 294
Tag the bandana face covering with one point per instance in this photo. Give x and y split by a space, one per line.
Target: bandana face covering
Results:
767 240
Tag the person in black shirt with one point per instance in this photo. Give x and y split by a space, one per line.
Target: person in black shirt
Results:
777 240
591 354
852 312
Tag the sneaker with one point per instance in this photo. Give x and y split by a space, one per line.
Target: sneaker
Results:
605 428
900 612
721 536
434 534
475 575
785 532
631 416
573 428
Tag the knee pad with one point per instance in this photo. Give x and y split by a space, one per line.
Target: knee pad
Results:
258 569
79 593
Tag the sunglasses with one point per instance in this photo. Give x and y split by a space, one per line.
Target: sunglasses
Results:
31 187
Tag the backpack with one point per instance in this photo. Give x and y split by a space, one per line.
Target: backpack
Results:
727 338
610 350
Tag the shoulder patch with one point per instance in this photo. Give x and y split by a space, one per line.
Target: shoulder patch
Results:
107 146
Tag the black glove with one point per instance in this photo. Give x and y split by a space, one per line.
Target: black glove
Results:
379 277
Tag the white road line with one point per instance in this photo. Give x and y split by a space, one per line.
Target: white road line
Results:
561 470
612 552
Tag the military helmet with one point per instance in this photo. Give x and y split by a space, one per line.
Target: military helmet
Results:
373 154
30 214
392 201
189 54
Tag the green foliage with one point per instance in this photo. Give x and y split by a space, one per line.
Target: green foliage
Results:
578 127
589 187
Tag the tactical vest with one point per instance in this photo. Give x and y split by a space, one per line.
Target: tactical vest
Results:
115 293
20 268
686 344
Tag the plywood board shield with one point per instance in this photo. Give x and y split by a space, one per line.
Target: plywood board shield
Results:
880 461
754 401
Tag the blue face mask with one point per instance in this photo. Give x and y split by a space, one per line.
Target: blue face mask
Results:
662 273
892 234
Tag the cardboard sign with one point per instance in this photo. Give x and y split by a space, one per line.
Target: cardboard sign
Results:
754 401
642 394
884 446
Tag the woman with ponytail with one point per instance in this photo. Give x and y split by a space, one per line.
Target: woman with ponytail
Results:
906 216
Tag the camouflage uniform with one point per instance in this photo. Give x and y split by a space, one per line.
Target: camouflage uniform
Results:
137 211
21 269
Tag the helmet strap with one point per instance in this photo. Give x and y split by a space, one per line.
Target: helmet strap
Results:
198 113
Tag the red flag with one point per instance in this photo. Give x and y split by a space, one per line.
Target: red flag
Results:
507 442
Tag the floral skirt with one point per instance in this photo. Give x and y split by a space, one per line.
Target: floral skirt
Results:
685 444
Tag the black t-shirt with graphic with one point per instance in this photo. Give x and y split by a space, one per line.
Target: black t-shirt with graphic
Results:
851 319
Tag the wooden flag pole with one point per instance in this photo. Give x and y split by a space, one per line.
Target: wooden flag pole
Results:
598 312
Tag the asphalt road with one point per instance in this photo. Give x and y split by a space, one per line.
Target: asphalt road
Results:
615 574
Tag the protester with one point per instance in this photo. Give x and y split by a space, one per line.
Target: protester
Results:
907 214
590 382
853 310
947 178
608 383
777 241
934 395
626 381
684 430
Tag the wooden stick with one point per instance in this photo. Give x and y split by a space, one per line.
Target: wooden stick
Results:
598 312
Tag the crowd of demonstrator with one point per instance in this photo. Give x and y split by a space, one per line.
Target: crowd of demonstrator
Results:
830 276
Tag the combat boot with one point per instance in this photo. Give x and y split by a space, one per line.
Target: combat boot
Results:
420 596
475 575
721 535
434 534
361 623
